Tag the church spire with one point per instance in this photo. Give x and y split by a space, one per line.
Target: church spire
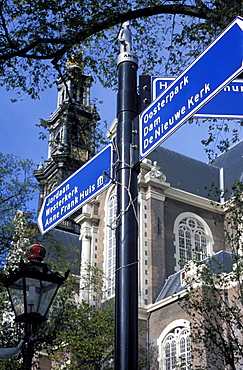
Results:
71 126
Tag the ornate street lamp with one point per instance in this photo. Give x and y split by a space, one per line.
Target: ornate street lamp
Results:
32 288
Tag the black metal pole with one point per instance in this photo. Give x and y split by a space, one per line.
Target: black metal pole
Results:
28 353
126 333
30 328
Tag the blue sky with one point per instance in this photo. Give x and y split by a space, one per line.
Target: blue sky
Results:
20 136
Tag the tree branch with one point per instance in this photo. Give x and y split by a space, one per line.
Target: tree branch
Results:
94 26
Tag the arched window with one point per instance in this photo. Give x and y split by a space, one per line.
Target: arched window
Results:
193 239
110 252
175 347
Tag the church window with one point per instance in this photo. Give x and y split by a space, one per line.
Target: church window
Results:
175 346
81 96
193 239
111 245
64 95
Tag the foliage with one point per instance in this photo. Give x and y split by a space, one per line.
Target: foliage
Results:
233 219
12 333
87 339
33 33
37 39
81 335
68 320
9 332
17 188
222 133
214 303
12 364
214 298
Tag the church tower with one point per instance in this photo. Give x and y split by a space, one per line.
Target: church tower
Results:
71 132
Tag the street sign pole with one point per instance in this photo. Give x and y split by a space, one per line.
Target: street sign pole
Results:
126 296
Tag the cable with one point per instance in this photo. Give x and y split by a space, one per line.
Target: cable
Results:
128 265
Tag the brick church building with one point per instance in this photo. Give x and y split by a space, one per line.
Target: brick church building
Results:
176 218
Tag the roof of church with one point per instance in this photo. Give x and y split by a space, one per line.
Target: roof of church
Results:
232 162
196 177
220 262
186 173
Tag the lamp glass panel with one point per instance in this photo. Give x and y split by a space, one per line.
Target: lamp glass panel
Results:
17 296
39 295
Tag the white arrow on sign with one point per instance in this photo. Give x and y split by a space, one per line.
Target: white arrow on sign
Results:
215 68
77 190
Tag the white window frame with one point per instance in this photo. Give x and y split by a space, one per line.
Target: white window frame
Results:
110 245
207 234
174 333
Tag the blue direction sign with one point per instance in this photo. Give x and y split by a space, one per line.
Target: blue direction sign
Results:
227 104
82 186
214 69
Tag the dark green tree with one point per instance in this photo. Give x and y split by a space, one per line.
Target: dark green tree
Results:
17 231
37 36
9 336
87 339
17 189
214 298
81 334
77 334
34 33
